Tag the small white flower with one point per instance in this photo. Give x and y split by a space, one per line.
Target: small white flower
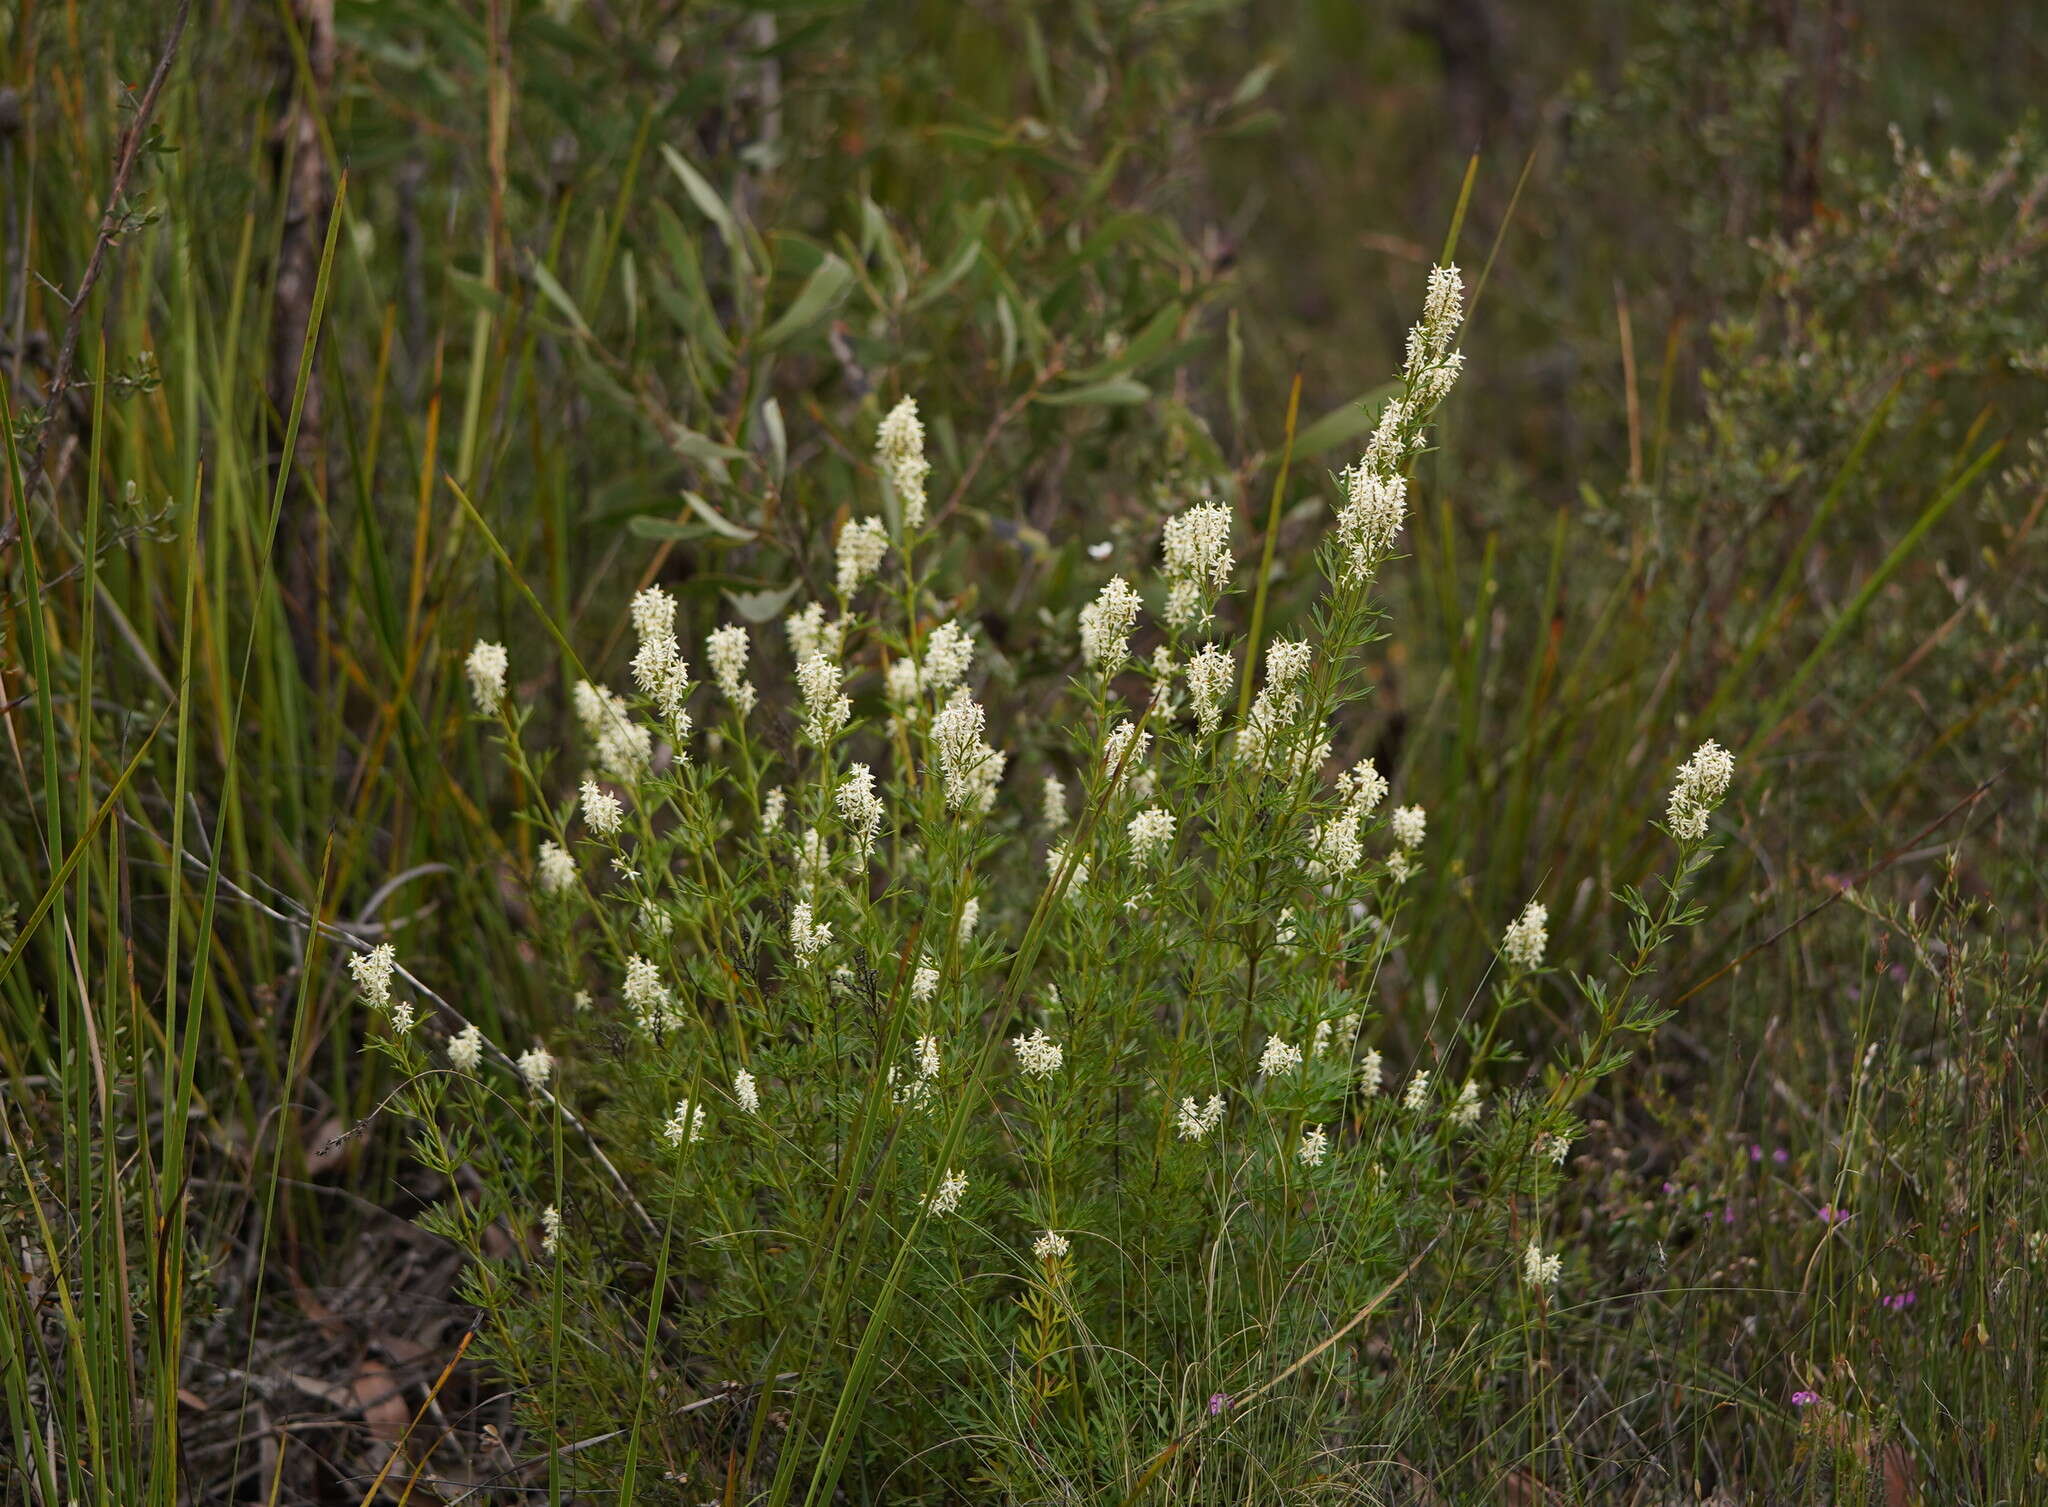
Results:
1278 1057
946 1198
1363 787
928 1056
1197 551
1038 1055
1056 859
1552 1146
648 997
1314 1147
1702 782
602 812
686 1126
1210 675
1539 1270
745 1093
1151 831
810 634
1123 753
1102 550
659 669
807 937
466 1049
970 769
948 655
773 804
373 971
401 1017
1526 936
550 1230
900 685
860 809
1470 1106
1336 847
899 451
726 650
624 748
1287 661
1196 1121
924 983
1371 1074
1106 625
1050 1246
1054 800
535 1065
825 710
862 544
555 869
970 917
1417 1096
1407 824
486 665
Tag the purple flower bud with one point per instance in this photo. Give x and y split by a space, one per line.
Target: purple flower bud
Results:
1803 1398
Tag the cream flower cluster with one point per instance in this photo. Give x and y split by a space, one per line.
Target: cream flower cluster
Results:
825 710
1278 1057
862 544
686 1126
1407 823
535 1065
809 633
1376 486
1151 831
860 810
807 936
1702 782
1211 673
899 451
1106 625
1038 1055
946 1197
1527 935
726 651
602 812
1196 1122
486 667
1276 706
373 971
969 768
659 669
1198 561
624 748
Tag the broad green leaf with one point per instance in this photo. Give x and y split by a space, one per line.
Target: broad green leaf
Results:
699 447
707 199
716 521
820 294
1118 392
1254 83
559 297
762 606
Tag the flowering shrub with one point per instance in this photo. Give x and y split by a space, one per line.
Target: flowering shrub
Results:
915 1121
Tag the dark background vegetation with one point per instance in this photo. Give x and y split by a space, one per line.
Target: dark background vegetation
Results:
1748 448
